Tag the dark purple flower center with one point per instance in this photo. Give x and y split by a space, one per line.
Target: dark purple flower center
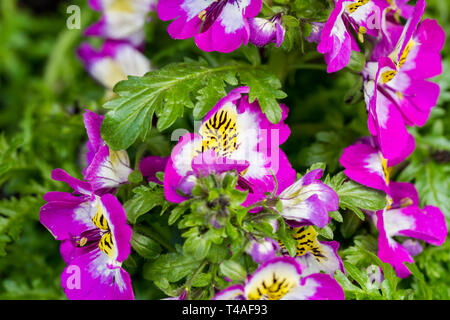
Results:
212 12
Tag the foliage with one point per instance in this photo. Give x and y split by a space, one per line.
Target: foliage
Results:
193 246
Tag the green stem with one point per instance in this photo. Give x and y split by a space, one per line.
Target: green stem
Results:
189 283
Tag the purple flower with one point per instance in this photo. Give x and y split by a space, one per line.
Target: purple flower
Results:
262 250
220 25
95 240
396 90
365 164
282 279
234 135
106 169
151 165
316 32
113 62
315 256
263 31
308 201
121 19
337 41
405 218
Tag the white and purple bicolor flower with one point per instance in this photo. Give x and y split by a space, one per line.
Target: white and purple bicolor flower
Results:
364 163
315 256
265 31
282 278
262 250
397 91
95 240
216 25
121 19
308 201
106 168
405 218
337 41
113 62
234 135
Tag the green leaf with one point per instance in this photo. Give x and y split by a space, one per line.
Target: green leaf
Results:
144 199
356 275
357 61
354 196
167 91
265 87
196 247
326 232
172 267
145 246
233 270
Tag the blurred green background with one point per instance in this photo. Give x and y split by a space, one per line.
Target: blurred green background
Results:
44 89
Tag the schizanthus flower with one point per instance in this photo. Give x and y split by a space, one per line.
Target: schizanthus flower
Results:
106 169
121 19
263 31
364 163
95 240
216 25
308 201
113 62
397 92
359 16
405 218
314 255
283 279
234 135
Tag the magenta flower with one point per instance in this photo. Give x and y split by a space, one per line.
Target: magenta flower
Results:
365 164
113 62
220 25
234 135
106 169
308 201
151 165
337 41
95 240
283 279
315 256
405 218
121 19
396 89
263 31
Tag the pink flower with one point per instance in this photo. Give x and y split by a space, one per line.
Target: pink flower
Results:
95 240
234 135
283 279
405 218
220 25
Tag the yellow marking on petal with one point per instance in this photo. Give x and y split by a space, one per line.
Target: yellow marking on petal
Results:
387 76
406 202
361 32
306 242
106 244
354 6
121 6
389 201
100 220
405 53
273 288
219 132
82 242
202 15
386 170
399 94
